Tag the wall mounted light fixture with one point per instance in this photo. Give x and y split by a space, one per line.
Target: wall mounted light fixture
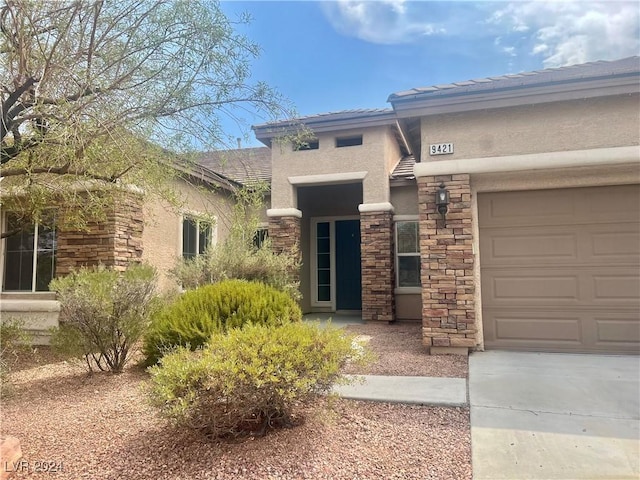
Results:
442 202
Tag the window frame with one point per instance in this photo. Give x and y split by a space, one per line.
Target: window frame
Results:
34 266
261 235
398 219
350 141
198 218
312 144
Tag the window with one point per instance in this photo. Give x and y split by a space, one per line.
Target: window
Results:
407 254
260 237
309 145
196 236
323 261
348 141
29 257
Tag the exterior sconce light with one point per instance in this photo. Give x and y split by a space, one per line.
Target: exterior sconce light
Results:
442 202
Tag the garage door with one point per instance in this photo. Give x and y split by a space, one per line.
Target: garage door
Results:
561 269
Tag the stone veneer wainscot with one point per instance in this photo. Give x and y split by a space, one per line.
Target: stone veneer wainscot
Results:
448 313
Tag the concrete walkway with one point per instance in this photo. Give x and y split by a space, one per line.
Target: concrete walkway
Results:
451 392
554 416
394 389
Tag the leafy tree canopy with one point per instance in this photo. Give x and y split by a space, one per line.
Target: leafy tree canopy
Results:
91 91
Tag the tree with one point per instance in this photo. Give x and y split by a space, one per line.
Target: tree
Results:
95 94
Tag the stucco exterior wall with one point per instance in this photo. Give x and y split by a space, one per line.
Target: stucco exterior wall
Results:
405 200
409 307
561 126
162 235
376 156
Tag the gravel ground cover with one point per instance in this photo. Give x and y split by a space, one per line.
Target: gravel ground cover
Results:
400 352
100 427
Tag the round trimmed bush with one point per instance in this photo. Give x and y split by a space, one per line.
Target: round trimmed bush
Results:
198 314
252 379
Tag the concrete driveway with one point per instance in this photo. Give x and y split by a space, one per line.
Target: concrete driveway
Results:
554 416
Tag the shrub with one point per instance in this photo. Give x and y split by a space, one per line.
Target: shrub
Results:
237 257
200 313
249 380
13 339
103 313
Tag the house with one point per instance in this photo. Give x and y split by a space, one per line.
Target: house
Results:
540 246
535 246
135 230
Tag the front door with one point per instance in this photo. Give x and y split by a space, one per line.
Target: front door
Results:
335 272
348 268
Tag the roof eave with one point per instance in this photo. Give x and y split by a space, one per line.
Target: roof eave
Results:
266 132
425 104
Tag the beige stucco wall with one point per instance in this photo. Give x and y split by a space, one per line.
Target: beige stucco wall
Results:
405 199
561 126
162 235
409 307
376 156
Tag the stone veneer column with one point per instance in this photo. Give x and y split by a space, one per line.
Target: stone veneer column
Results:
284 230
377 258
115 242
448 307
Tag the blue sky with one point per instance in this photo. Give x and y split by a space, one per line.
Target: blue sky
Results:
340 55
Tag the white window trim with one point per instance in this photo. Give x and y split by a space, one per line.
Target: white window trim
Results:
314 263
198 216
397 219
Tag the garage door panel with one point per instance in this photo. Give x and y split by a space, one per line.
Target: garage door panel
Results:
619 246
570 285
618 289
533 289
526 208
588 287
537 327
617 329
611 204
555 330
530 246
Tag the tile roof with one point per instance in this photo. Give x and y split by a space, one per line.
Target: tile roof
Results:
330 116
242 165
404 168
572 73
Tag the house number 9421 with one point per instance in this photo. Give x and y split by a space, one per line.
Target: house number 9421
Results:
440 148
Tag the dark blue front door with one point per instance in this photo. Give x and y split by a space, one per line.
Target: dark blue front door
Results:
348 273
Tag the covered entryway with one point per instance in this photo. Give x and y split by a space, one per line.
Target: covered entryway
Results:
561 269
331 274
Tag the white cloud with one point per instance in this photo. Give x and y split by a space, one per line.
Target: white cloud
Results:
384 22
570 32
555 33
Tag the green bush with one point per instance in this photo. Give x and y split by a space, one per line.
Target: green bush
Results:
13 339
251 379
238 257
103 313
200 313
235 259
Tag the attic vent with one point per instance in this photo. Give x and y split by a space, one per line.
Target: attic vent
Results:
348 141
310 145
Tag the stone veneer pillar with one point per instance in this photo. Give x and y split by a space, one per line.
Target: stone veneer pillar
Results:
284 230
377 258
115 242
448 307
